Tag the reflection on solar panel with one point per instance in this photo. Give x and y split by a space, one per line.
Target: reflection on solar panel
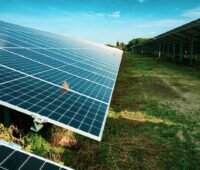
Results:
34 67
15 159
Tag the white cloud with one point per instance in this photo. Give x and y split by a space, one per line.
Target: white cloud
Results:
115 14
192 13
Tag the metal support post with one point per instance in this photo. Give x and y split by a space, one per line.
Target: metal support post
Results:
159 50
181 52
191 50
174 52
168 50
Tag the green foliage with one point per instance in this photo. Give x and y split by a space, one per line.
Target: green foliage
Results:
110 45
38 144
125 47
67 156
136 41
121 45
117 44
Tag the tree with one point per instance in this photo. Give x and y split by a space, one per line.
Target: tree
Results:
117 44
121 45
136 41
110 45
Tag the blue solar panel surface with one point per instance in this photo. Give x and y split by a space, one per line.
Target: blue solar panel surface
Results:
35 64
14 159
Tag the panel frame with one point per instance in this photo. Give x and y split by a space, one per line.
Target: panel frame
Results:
109 103
119 54
15 148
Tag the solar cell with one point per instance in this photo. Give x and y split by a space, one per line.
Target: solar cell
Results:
34 66
14 159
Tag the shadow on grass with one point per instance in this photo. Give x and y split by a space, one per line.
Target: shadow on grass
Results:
146 63
134 89
126 144
137 90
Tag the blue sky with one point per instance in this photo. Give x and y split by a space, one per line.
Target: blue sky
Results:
102 21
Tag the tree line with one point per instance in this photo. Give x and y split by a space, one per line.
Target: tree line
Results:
126 47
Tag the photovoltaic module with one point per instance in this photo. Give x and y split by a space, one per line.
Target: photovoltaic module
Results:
60 80
13 158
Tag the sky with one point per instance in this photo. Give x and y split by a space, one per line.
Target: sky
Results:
101 21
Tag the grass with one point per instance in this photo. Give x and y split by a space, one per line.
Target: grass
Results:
153 122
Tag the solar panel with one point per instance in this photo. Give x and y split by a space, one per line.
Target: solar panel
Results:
12 158
35 68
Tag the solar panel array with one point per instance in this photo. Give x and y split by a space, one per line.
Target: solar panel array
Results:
14 159
35 64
